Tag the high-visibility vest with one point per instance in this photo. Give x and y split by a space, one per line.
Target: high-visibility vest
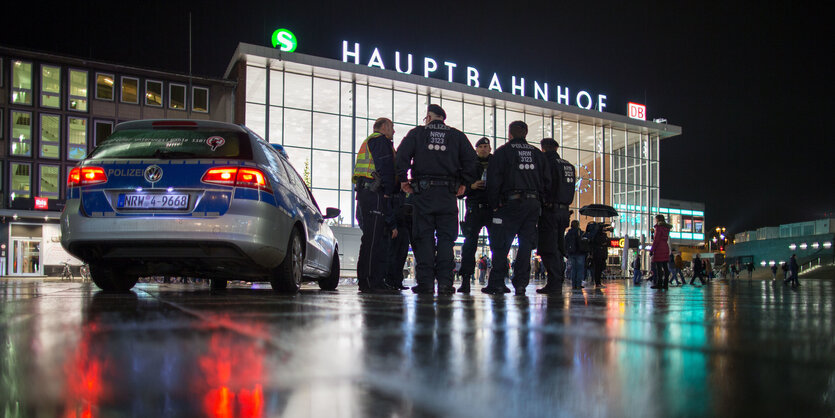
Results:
365 164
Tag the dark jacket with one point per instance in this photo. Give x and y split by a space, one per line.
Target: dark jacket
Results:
382 153
572 241
478 196
516 167
793 267
438 152
563 180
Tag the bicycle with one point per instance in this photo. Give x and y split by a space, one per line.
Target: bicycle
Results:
66 273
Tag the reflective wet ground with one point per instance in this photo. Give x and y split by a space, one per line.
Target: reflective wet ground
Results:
743 349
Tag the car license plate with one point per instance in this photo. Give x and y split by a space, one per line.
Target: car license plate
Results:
152 201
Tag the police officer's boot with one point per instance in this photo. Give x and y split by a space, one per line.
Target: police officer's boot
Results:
465 284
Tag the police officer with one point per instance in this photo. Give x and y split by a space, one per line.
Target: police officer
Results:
555 216
478 214
398 249
375 181
442 161
517 178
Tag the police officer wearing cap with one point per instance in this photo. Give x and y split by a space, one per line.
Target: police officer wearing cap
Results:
478 214
442 162
375 181
517 178
555 216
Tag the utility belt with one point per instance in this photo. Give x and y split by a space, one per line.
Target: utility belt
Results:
551 205
366 183
521 195
477 205
425 183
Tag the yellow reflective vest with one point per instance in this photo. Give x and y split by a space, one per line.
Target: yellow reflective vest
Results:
365 164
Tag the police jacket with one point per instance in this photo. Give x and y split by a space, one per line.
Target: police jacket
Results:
382 153
437 152
516 167
563 180
478 196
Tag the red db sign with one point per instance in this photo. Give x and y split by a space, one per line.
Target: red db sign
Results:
637 111
41 203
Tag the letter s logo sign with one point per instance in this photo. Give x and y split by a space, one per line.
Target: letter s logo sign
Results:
286 40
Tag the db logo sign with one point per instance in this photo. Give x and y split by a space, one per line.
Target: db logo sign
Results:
637 111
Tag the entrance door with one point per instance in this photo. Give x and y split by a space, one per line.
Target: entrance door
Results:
26 257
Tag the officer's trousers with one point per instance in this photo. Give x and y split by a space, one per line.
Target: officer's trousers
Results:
551 243
475 219
515 218
371 265
398 250
434 229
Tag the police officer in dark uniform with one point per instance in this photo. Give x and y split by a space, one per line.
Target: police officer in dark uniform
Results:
555 216
517 178
375 181
398 250
442 162
478 214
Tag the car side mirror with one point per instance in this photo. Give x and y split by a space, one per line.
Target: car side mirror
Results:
331 213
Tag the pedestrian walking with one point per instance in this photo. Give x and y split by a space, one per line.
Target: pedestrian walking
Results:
375 181
478 213
660 252
555 216
482 269
517 178
785 269
708 269
698 270
680 268
794 271
576 255
774 272
674 271
441 161
637 274
750 268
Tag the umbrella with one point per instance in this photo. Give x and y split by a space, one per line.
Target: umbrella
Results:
596 210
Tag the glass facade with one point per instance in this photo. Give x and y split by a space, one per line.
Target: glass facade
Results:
321 116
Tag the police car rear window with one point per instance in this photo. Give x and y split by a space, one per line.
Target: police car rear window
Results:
174 144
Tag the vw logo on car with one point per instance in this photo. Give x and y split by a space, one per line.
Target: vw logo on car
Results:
153 173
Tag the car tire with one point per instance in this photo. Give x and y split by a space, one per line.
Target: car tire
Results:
287 277
108 279
218 284
332 280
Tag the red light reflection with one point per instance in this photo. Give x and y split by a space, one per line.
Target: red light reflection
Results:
84 373
233 372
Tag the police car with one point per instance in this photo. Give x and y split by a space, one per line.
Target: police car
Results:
200 199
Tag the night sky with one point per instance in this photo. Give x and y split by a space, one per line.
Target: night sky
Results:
745 81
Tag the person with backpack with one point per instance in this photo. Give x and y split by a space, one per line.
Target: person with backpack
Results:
660 252
576 255
636 270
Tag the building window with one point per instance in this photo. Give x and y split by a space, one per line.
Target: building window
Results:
177 96
21 82
200 99
51 86
78 90
77 134
50 139
153 93
103 129
104 86
21 180
21 140
49 178
130 90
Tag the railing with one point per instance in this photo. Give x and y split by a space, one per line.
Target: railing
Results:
815 263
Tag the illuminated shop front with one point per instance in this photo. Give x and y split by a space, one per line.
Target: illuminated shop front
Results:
321 110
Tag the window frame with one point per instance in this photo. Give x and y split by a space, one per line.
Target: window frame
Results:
161 93
12 137
112 90
96 123
12 164
86 138
171 96
52 195
50 94
40 136
70 96
122 89
13 89
193 89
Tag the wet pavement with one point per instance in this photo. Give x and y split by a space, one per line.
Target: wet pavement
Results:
740 349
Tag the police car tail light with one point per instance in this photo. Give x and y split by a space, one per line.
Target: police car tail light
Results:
221 175
86 176
252 178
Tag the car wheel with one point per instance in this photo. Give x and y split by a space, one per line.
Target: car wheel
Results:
330 282
108 279
287 277
219 284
